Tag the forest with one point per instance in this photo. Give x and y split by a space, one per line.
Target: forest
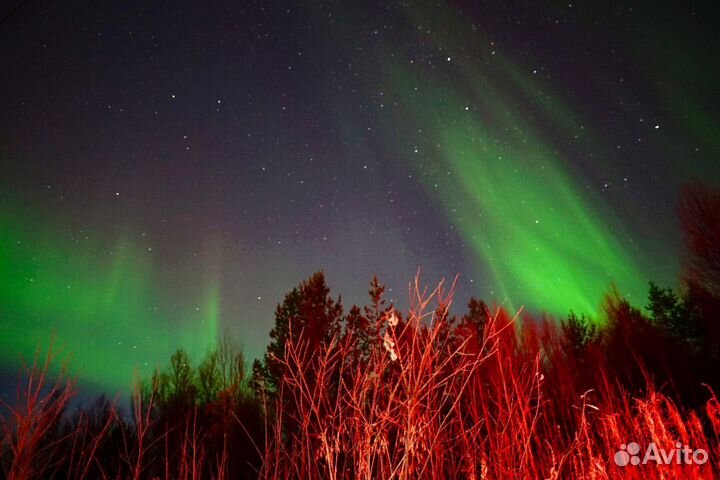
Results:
374 392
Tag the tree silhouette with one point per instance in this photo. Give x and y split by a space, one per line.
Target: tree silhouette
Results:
699 210
577 332
674 313
364 324
472 325
308 314
208 378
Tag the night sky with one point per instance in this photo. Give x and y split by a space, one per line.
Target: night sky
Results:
171 169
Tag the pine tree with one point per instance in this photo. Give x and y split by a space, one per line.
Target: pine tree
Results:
308 314
675 314
472 325
364 325
577 333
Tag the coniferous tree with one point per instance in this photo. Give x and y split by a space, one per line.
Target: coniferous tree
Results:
471 327
675 314
308 314
577 332
365 325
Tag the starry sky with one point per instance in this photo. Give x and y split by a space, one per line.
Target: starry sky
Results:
170 169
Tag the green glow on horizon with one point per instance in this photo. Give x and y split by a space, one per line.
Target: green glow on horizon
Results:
104 308
542 241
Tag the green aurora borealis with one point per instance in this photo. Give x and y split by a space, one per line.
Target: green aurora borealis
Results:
157 201
105 311
512 194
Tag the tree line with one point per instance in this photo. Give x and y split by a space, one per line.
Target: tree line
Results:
368 391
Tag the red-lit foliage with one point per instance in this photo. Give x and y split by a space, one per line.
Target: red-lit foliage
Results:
393 395
516 401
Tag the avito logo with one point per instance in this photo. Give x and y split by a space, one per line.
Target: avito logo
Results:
681 454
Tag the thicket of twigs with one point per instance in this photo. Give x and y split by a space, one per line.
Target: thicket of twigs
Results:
431 404
374 393
490 397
